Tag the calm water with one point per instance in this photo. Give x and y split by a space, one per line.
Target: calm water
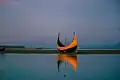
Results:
44 67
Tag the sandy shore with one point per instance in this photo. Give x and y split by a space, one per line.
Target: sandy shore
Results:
53 51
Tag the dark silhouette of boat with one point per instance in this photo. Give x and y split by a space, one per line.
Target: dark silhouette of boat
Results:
2 50
72 47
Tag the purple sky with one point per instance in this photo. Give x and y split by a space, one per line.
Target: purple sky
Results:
95 21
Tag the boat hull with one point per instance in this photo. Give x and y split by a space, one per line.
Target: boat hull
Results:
70 50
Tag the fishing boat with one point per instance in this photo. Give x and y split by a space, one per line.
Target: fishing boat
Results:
2 49
72 47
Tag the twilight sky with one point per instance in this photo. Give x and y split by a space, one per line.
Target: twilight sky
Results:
95 21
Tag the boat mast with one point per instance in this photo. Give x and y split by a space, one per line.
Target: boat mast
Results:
65 40
65 60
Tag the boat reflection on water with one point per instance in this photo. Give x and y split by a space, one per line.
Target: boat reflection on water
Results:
70 58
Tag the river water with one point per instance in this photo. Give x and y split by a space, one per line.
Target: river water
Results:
44 67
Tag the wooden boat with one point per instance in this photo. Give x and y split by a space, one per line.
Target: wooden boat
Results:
72 47
2 49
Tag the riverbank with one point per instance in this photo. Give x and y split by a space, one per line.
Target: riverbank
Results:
52 51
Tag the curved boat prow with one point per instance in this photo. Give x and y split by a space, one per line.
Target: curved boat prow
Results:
74 33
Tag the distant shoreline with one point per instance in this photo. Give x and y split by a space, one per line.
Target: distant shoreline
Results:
52 51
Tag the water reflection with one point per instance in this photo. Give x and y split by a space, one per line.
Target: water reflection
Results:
67 58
